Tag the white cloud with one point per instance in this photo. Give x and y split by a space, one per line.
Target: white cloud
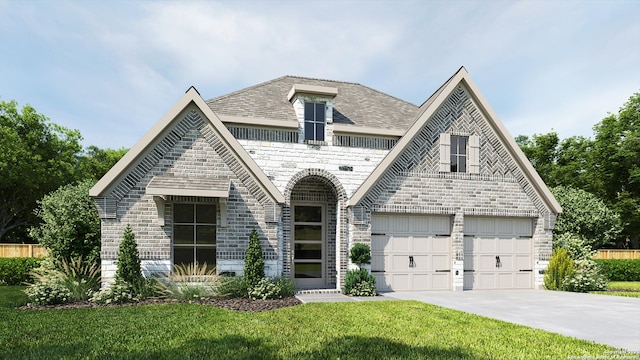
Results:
112 69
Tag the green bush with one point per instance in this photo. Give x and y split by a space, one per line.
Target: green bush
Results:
70 226
190 282
559 271
16 271
576 247
64 283
232 287
49 293
620 269
360 253
128 264
253 262
586 277
359 283
272 289
587 216
118 293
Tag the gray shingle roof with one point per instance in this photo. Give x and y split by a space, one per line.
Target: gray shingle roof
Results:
355 104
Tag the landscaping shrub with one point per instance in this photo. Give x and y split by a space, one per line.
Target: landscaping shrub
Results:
272 289
253 262
232 287
118 293
128 263
190 282
70 226
16 271
359 283
48 293
586 277
71 281
620 269
360 253
559 271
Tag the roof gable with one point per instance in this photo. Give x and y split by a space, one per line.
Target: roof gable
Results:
427 111
160 132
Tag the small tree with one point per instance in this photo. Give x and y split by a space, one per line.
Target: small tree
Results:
253 261
559 271
360 254
70 225
585 215
128 263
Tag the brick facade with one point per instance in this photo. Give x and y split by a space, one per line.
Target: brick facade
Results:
326 174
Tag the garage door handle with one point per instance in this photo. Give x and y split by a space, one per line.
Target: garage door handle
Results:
528 270
469 271
377 271
443 270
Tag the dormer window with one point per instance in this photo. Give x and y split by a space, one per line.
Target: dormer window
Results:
314 121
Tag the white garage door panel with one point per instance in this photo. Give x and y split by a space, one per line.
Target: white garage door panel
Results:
398 238
508 238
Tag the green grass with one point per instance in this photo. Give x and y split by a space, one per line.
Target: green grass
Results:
629 289
355 330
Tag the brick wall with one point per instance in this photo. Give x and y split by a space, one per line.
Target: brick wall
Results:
190 155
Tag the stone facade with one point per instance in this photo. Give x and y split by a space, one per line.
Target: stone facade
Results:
327 173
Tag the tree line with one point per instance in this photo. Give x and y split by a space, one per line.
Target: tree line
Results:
607 165
38 156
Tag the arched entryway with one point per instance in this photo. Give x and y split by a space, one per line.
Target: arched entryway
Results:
314 230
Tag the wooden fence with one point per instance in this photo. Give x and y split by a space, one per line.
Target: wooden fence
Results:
617 254
22 250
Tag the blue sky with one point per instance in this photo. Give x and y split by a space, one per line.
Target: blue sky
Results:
112 69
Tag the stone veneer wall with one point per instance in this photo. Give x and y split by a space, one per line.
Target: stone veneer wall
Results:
194 153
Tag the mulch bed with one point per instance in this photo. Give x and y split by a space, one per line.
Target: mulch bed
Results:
230 304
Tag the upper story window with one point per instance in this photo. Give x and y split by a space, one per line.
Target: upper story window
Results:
314 121
458 154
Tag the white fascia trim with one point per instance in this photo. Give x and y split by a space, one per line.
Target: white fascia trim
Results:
312 89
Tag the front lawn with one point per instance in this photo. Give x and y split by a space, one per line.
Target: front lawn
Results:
355 330
622 288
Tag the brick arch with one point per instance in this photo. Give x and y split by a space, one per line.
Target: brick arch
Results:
324 176
336 276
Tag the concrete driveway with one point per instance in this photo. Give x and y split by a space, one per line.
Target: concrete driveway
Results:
610 320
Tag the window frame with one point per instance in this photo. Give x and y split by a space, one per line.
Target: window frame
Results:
194 223
319 135
457 154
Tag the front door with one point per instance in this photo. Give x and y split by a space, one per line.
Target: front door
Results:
308 234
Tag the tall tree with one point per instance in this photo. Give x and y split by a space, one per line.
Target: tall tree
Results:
558 162
36 157
95 162
616 165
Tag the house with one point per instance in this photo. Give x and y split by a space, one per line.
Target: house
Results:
440 191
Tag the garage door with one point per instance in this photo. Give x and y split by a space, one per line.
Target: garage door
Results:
498 253
410 252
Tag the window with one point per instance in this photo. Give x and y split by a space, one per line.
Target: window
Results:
458 154
194 234
314 121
